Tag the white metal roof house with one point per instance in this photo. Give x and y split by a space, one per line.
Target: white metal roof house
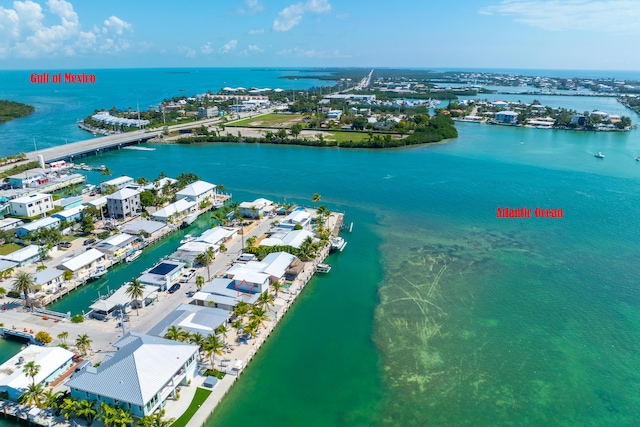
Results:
247 279
24 256
163 274
216 235
31 205
197 192
273 265
293 238
192 318
117 246
222 293
27 228
175 211
298 217
53 362
47 280
70 215
119 182
140 376
83 264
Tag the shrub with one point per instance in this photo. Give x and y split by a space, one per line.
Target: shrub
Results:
44 337
78 318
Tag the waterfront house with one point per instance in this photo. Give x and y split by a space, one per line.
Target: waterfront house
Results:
298 217
163 275
193 319
217 235
70 215
98 203
175 212
30 178
248 280
150 229
506 117
10 223
119 182
53 362
7 265
188 252
159 185
84 264
117 246
124 204
274 265
25 256
69 202
27 228
139 377
121 301
288 237
48 280
31 205
222 293
198 192
256 209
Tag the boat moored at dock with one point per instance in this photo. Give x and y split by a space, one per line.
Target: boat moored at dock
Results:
338 244
323 268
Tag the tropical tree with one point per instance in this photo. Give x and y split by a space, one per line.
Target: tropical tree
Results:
135 291
177 334
277 286
23 283
154 421
197 339
237 325
44 252
87 410
222 330
206 258
315 198
212 346
83 343
62 336
106 172
108 415
251 240
295 130
31 369
265 300
68 407
50 398
241 309
258 315
3 291
123 418
199 282
34 396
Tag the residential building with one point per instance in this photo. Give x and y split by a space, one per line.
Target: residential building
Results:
198 192
30 178
298 217
222 293
334 114
53 362
288 237
69 202
120 301
117 246
163 275
159 184
124 204
145 228
140 375
256 209
10 223
119 182
193 319
49 222
48 280
25 256
506 117
70 215
31 205
7 265
84 264
175 212
274 265
208 112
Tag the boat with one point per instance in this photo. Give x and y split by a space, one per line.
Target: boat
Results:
100 271
187 238
638 159
133 256
338 244
323 268
189 219
599 155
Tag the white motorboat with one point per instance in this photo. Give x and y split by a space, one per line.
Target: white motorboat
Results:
189 219
323 268
187 238
599 155
133 256
338 244
100 271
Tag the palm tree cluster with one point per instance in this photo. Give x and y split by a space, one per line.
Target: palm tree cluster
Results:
250 318
211 345
135 290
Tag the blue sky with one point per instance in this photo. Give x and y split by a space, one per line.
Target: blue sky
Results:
546 34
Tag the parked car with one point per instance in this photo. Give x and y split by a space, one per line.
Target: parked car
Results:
64 245
174 288
89 242
188 276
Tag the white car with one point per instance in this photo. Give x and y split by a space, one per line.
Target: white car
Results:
188 276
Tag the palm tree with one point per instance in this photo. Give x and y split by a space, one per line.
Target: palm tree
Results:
265 300
197 339
213 346
222 330
31 369
87 410
83 343
34 396
315 198
277 286
135 291
68 407
199 282
237 325
206 258
177 334
106 172
154 421
62 336
123 417
50 398
258 315
24 283
108 415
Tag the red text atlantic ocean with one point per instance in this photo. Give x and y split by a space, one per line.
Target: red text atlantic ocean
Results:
527 213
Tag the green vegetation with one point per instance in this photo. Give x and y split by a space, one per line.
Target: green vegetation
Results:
214 373
8 248
10 110
267 120
78 318
199 398
19 169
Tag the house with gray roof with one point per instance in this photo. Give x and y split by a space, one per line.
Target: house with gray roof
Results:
124 204
140 375
48 280
192 318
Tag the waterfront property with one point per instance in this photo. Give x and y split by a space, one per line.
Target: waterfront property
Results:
158 185
49 222
506 117
163 274
287 237
153 229
193 319
29 178
120 301
198 192
119 183
298 217
188 252
175 211
217 235
69 202
24 256
53 361
48 280
70 215
7 265
140 375
273 265
222 293
117 246
124 203
98 203
31 205
83 265
10 223
256 209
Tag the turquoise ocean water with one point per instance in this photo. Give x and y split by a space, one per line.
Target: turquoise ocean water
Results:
437 312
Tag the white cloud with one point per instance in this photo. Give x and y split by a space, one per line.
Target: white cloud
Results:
253 6
604 16
257 31
345 15
117 25
312 53
228 47
254 48
206 49
187 51
291 15
23 32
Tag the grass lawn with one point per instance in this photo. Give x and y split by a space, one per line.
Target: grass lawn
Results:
268 120
69 238
200 396
345 136
8 248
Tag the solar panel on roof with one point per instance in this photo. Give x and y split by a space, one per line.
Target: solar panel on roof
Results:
163 268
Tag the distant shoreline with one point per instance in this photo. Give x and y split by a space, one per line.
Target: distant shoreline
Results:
10 110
